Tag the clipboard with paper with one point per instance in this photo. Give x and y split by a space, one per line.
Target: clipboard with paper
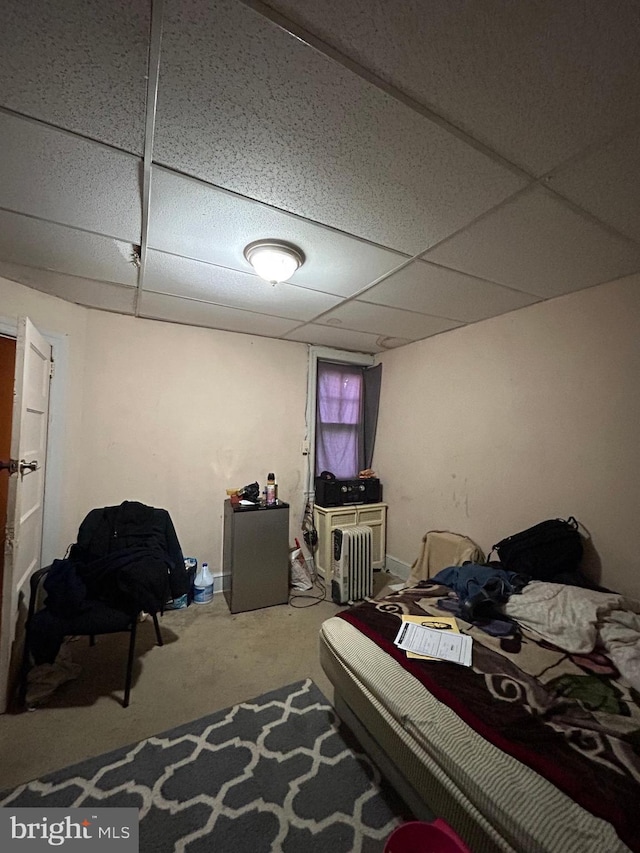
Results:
440 623
438 635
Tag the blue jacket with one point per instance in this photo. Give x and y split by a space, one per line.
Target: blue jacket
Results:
470 578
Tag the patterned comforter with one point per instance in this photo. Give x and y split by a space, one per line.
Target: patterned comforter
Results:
570 717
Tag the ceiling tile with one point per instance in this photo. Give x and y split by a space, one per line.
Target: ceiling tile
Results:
329 336
78 65
83 291
409 226
538 244
443 292
244 105
536 81
192 218
607 183
36 243
177 276
364 317
157 306
54 175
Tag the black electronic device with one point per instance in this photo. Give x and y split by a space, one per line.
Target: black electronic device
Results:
342 492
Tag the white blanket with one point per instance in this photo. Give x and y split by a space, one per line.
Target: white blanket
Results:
579 620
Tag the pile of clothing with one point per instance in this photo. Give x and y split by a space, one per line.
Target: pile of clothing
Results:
127 560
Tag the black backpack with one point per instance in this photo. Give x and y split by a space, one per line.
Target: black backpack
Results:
545 551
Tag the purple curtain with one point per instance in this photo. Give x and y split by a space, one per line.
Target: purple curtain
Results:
346 417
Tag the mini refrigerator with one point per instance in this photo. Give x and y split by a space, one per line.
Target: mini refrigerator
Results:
256 555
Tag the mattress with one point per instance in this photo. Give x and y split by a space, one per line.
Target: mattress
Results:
492 799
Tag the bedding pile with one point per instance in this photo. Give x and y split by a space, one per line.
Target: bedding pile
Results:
580 620
569 715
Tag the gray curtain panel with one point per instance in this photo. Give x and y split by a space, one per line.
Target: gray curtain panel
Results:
372 377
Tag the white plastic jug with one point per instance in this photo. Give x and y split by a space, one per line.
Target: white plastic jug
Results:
203 585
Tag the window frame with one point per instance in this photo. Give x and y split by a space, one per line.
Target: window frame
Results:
316 354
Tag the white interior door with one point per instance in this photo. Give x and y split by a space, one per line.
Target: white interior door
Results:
23 543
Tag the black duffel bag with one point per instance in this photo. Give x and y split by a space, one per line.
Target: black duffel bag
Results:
545 551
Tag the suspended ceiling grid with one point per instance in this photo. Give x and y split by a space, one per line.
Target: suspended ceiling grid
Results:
438 163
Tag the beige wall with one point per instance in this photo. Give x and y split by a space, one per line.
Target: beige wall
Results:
171 416
491 428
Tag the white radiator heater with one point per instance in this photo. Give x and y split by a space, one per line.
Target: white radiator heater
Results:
352 568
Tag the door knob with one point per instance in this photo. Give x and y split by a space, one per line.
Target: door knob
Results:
28 466
10 465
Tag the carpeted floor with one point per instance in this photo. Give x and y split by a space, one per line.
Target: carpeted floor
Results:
211 659
271 774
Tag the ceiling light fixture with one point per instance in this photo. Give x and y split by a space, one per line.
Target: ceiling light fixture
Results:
274 260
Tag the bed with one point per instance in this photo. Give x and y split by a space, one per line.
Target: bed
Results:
530 749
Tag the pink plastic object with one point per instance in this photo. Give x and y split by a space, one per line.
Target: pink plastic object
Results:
420 837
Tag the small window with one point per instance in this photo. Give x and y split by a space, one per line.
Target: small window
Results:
339 419
343 393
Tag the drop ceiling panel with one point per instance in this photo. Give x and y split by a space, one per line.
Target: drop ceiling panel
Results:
36 243
248 107
369 159
192 218
83 291
177 276
364 317
157 306
54 175
328 336
606 182
78 65
538 244
536 81
442 292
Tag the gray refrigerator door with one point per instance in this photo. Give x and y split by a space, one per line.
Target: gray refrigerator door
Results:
256 557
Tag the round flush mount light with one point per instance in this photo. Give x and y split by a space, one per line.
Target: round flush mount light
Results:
274 260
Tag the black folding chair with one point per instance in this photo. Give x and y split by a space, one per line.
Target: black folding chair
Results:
96 617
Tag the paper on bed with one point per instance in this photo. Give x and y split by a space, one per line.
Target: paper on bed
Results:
439 623
444 645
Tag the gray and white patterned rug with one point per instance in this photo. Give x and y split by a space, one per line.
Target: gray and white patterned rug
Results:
272 774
